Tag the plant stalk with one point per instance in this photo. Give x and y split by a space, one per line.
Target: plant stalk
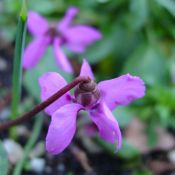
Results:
38 108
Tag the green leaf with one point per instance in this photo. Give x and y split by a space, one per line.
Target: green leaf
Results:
8 32
168 4
163 113
3 160
171 122
123 115
23 12
171 64
139 13
17 68
12 7
151 134
99 50
47 6
167 97
111 43
47 64
127 151
148 63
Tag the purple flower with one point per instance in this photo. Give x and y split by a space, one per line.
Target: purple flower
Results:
97 99
75 37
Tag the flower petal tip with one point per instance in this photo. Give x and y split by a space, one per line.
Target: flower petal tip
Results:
86 70
50 150
72 10
140 81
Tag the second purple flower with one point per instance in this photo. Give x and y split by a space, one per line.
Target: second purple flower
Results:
75 37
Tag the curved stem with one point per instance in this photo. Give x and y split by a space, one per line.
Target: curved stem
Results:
41 106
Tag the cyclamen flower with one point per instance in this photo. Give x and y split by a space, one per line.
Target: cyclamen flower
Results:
76 37
97 99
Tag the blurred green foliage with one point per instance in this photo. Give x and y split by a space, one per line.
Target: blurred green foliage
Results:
3 160
138 37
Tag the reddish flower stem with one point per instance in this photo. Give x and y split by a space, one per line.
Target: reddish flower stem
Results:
38 108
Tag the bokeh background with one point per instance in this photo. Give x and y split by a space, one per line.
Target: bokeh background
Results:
138 38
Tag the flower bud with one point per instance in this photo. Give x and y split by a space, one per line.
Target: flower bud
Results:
87 94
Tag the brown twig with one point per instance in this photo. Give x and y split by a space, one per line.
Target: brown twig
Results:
25 117
81 156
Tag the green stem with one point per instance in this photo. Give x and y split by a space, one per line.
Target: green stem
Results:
17 68
17 64
32 140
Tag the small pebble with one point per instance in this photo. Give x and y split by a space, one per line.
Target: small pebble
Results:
14 150
5 113
3 64
61 167
37 165
171 156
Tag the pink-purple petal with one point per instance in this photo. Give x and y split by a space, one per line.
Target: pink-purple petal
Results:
86 70
80 37
34 52
122 90
67 19
61 58
76 47
62 128
37 25
107 125
50 83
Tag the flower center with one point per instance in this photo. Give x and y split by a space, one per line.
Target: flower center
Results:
53 32
87 94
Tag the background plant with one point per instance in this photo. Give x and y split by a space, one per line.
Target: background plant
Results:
138 37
